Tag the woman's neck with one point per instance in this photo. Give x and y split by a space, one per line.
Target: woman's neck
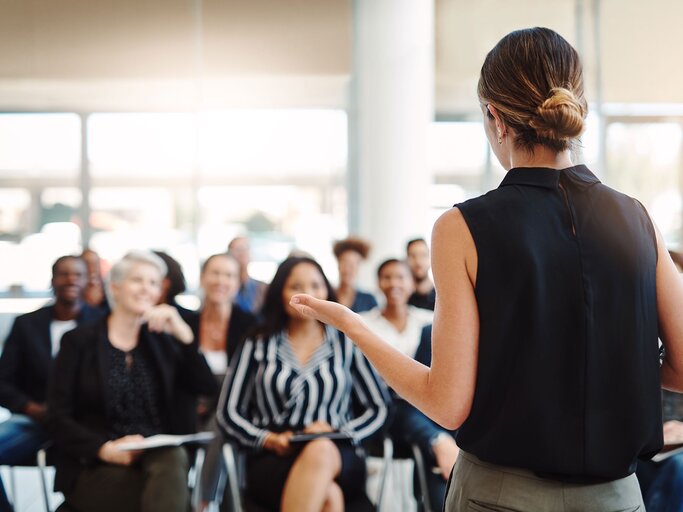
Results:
397 315
541 157
216 311
345 287
346 294
124 329
304 328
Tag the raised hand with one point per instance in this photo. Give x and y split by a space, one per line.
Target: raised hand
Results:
165 318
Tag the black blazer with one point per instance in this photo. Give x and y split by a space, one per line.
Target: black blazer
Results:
78 418
27 357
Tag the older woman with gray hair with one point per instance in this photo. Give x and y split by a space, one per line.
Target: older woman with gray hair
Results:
114 382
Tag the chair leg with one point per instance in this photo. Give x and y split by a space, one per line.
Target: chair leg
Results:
387 455
232 477
421 470
41 462
13 486
196 477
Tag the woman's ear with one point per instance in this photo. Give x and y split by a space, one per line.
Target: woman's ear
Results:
501 129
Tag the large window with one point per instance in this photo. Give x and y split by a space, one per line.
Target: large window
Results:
188 183
40 145
180 182
644 161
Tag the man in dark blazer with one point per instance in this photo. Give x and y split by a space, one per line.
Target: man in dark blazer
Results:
27 358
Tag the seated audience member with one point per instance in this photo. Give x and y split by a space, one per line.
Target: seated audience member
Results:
417 255
93 294
296 375
397 322
401 325
27 358
350 253
173 284
115 381
252 292
436 444
662 482
220 325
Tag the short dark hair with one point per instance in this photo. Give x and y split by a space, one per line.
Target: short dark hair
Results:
175 276
62 259
414 241
352 243
388 262
273 312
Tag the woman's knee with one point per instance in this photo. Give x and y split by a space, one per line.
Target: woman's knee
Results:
321 453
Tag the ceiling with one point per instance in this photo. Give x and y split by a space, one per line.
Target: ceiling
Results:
183 54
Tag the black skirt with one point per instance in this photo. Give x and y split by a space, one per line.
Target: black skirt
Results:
267 473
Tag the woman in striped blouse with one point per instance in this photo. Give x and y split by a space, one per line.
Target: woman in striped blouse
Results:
296 375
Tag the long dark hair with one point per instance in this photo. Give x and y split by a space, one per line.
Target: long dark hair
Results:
274 316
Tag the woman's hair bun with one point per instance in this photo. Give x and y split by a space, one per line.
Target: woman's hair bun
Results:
560 117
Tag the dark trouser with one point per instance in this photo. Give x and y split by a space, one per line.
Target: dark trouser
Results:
662 484
479 486
156 483
20 440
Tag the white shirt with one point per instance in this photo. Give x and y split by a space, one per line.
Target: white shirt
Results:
217 361
407 340
57 329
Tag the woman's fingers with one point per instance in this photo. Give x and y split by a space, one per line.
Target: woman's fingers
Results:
324 311
303 304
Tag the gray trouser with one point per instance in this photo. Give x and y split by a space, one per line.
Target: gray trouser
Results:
157 483
481 487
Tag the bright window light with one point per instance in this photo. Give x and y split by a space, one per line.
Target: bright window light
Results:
34 145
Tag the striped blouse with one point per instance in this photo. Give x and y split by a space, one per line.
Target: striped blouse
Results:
269 390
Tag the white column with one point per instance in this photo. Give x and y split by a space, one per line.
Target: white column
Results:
391 109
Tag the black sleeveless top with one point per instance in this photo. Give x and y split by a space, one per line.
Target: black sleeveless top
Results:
568 373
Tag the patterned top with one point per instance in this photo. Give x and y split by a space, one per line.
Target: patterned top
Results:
134 393
269 390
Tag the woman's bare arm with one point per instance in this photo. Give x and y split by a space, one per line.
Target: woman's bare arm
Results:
670 312
443 392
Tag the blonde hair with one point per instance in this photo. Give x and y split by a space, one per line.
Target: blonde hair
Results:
121 268
534 79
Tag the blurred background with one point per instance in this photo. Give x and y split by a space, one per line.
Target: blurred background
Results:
178 124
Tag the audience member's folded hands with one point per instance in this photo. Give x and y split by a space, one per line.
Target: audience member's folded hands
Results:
278 442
